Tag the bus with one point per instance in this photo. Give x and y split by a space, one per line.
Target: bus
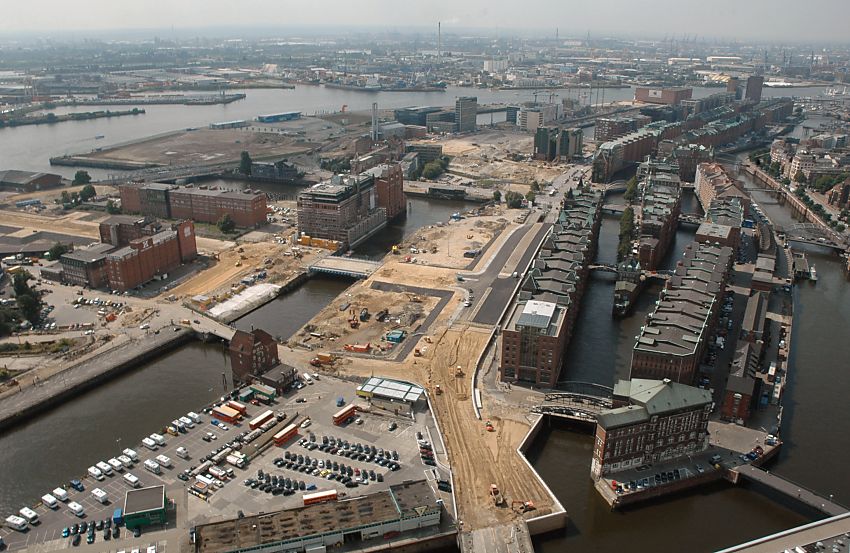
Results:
319 497
344 414
258 421
285 435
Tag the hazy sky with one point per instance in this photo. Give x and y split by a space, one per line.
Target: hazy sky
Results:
779 20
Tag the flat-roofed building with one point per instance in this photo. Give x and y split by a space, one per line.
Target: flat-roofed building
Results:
247 208
344 208
652 421
671 96
145 507
86 266
403 508
27 181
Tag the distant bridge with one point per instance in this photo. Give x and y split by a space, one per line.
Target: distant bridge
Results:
812 234
609 268
345 266
786 487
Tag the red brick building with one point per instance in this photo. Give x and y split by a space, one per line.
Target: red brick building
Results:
252 353
652 421
246 208
389 183
145 258
119 230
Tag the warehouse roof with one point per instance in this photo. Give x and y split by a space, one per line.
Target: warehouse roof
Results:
391 389
143 500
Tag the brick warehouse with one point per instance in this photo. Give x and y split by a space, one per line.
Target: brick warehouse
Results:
389 182
144 258
246 208
252 353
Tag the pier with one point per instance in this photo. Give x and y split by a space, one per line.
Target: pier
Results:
788 488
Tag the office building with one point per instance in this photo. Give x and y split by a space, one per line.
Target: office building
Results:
344 208
535 115
541 319
415 115
652 421
145 507
427 151
754 88
547 143
251 354
466 113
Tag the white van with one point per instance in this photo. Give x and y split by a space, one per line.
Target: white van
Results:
76 508
49 501
159 439
148 443
104 468
100 495
307 378
163 461
182 452
95 473
126 461
116 465
187 421
152 466
29 514
16 523
132 480
60 494
196 418
131 454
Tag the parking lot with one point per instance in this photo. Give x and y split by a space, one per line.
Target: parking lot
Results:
318 402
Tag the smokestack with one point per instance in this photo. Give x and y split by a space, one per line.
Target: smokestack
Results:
439 43
374 121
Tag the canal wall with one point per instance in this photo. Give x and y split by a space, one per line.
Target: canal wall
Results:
558 518
87 374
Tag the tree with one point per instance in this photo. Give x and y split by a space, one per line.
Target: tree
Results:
631 189
112 208
513 199
30 307
432 170
87 193
535 186
19 283
627 228
530 195
245 163
497 196
226 224
57 250
800 177
65 197
81 177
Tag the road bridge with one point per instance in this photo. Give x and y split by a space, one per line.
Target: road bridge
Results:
812 234
345 266
581 401
791 489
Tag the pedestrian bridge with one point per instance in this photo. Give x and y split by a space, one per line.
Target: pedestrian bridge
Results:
345 266
790 489
581 401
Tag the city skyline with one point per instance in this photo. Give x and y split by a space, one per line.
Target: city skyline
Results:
727 20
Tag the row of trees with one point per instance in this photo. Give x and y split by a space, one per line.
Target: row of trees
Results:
631 189
819 210
627 231
435 168
27 299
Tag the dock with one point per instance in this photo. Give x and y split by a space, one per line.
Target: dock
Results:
788 488
350 267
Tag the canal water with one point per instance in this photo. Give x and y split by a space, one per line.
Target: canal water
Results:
815 428
30 147
48 451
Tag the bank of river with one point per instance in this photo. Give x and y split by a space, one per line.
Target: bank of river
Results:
38 456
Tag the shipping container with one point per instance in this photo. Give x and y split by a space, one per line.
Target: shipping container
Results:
238 407
226 414
263 390
260 419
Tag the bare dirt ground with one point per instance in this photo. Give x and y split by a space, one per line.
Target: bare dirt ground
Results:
204 146
67 223
224 271
444 245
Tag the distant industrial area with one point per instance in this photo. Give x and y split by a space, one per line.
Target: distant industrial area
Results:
450 293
